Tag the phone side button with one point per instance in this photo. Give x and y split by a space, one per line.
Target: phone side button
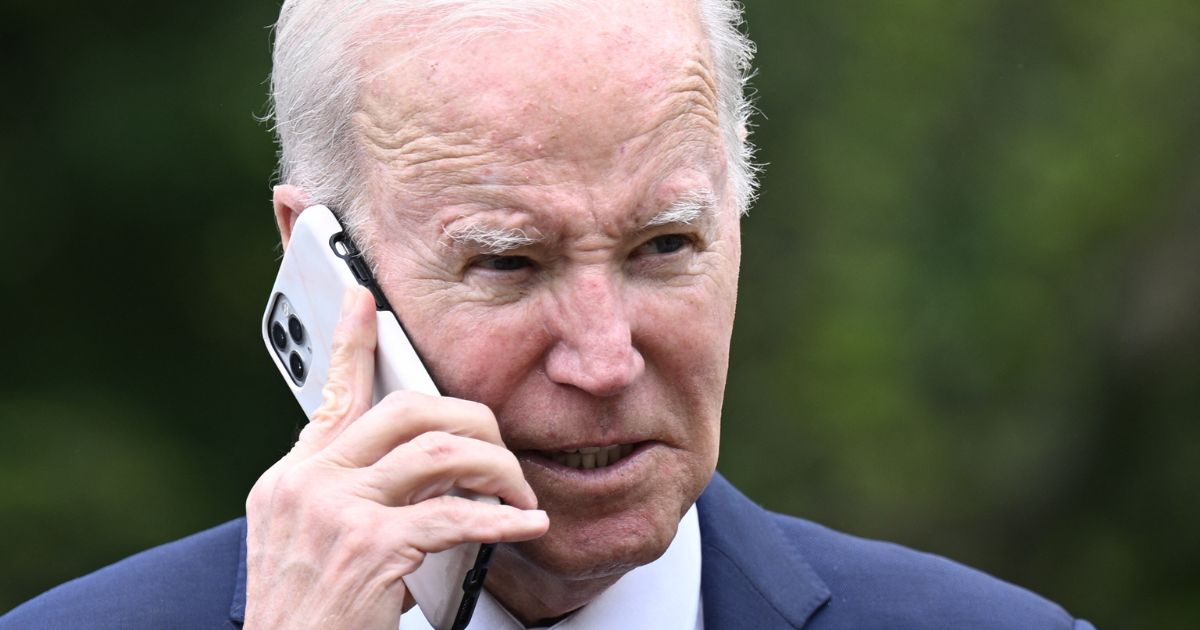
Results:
474 579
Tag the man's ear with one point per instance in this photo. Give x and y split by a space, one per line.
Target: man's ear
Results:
289 202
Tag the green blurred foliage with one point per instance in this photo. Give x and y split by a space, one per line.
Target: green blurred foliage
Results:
970 308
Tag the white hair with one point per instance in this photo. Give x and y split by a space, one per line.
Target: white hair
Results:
317 71
687 210
492 240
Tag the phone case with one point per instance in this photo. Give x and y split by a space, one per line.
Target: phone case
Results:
320 263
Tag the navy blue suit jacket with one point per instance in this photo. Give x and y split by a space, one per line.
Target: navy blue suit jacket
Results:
760 570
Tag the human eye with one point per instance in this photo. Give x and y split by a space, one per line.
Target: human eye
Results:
664 244
503 264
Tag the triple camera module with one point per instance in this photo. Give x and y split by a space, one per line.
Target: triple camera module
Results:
289 339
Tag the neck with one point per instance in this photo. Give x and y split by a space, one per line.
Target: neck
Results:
535 596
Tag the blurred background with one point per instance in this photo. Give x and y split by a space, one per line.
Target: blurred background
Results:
969 322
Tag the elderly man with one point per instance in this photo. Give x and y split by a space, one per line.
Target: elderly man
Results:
550 194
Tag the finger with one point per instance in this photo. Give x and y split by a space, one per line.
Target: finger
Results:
403 415
439 524
433 463
348 390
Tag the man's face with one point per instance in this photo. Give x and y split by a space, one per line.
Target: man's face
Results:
594 142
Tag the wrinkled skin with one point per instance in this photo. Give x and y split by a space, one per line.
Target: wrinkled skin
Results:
604 330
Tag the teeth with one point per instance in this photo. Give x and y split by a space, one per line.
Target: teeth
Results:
590 457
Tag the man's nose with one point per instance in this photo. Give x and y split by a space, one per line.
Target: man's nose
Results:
593 349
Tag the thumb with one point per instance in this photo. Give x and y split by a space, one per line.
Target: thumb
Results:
348 391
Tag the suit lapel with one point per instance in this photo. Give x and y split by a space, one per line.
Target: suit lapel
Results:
752 576
237 610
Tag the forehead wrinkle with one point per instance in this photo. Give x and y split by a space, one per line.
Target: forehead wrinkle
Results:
416 147
413 155
699 89
691 95
686 130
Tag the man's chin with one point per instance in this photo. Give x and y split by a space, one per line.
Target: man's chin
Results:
605 522
543 579
586 549
601 527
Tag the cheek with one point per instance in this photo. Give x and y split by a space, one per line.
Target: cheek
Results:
687 329
479 354
684 339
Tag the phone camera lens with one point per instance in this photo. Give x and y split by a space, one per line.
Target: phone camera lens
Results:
296 328
278 335
297 365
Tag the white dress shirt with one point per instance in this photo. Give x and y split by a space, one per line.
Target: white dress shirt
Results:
662 595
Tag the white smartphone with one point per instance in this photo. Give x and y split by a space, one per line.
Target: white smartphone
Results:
319 264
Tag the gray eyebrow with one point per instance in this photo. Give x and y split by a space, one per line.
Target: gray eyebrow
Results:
492 240
686 210
495 241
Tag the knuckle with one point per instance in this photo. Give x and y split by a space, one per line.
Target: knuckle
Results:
359 535
401 402
436 446
262 493
479 413
314 432
448 510
292 486
254 501
258 498
483 419
337 400
341 344
344 343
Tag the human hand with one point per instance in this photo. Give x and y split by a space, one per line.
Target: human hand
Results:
356 504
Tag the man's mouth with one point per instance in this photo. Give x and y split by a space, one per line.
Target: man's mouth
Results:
590 457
